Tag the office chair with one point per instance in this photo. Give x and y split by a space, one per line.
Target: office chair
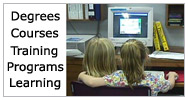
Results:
80 89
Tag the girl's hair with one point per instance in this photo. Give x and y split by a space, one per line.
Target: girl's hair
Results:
133 54
99 59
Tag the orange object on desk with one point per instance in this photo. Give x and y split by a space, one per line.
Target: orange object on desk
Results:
180 78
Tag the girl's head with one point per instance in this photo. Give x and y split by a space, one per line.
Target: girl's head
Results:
133 54
99 59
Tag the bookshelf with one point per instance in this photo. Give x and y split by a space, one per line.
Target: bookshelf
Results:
86 12
175 15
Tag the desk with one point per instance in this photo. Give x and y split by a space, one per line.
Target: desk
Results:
74 67
166 64
154 62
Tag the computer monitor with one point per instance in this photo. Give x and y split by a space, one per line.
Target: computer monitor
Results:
126 23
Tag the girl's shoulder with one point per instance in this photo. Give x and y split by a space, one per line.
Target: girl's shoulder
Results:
118 72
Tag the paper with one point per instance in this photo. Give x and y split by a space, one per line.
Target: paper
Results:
167 55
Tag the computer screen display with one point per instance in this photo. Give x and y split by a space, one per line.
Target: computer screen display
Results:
130 25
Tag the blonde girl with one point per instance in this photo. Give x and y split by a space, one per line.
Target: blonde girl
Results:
133 54
99 59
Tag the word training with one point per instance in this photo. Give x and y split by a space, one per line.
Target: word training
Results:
34 51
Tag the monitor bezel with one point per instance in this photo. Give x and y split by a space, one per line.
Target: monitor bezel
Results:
148 41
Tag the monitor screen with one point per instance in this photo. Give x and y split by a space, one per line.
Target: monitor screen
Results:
130 25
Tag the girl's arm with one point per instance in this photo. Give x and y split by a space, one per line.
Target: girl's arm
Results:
90 80
171 77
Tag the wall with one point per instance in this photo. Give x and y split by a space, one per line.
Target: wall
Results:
175 37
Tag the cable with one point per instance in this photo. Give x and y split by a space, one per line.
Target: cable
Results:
98 28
